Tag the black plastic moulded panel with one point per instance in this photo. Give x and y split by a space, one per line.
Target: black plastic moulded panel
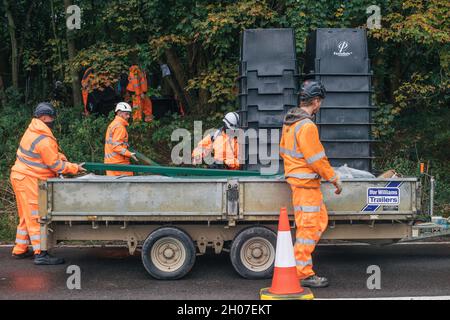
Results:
344 132
349 150
270 52
347 99
264 118
268 102
268 85
337 50
336 115
268 69
346 83
268 135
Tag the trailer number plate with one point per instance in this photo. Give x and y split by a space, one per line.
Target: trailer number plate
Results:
380 196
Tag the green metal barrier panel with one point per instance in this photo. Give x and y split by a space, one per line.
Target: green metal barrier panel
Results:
172 171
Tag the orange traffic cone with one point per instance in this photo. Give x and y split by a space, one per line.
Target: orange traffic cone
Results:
285 283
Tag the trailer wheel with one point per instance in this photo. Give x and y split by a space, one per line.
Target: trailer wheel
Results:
168 253
253 252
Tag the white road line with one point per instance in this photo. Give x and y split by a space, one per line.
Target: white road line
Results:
392 298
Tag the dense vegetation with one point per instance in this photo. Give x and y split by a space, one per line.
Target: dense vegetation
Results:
199 41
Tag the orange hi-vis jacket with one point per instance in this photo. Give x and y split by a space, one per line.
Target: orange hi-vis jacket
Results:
225 149
137 84
86 86
38 154
304 157
137 81
116 142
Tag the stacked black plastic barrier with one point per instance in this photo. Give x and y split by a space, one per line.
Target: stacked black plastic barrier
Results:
268 88
339 59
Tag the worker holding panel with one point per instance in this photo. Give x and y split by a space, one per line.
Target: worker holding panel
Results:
38 158
223 147
116 140
305 163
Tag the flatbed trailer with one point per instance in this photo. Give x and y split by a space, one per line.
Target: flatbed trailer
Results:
173 220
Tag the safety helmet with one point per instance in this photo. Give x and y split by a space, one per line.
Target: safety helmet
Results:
123 106
311 89
231 120
43 109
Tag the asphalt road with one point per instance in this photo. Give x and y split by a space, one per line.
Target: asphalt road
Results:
110 273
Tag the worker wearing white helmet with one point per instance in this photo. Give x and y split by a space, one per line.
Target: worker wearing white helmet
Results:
116 140
223 147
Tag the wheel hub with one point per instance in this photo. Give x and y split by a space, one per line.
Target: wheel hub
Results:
168 254
257 254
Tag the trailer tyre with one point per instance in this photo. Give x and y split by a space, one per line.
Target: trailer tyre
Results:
253 252
168 253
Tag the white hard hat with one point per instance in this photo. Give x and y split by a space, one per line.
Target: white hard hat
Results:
231 120
123 106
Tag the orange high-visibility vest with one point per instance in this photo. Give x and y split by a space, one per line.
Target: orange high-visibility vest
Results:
137 80
38 154
224 148
305 161
116 142
137 84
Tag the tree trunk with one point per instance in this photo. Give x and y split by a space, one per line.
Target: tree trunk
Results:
76 86
58 42
397 72
2 92
14 45
175 87
203 94
180 76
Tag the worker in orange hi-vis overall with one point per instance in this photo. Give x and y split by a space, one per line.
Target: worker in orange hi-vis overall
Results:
305 163
137 85
86 87
38 158
223 147
116 140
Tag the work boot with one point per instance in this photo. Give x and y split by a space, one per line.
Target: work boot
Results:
24 255
315 282
44 258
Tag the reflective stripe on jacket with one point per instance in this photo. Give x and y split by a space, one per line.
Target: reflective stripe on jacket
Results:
137 81
38 155
116 142
305 161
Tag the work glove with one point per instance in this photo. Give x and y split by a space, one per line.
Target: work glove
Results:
133 156
80 167
338 184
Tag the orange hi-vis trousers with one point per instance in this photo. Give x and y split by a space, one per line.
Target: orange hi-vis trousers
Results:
141 106
26 191
311 219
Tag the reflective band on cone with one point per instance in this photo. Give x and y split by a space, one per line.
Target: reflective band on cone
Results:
285 283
